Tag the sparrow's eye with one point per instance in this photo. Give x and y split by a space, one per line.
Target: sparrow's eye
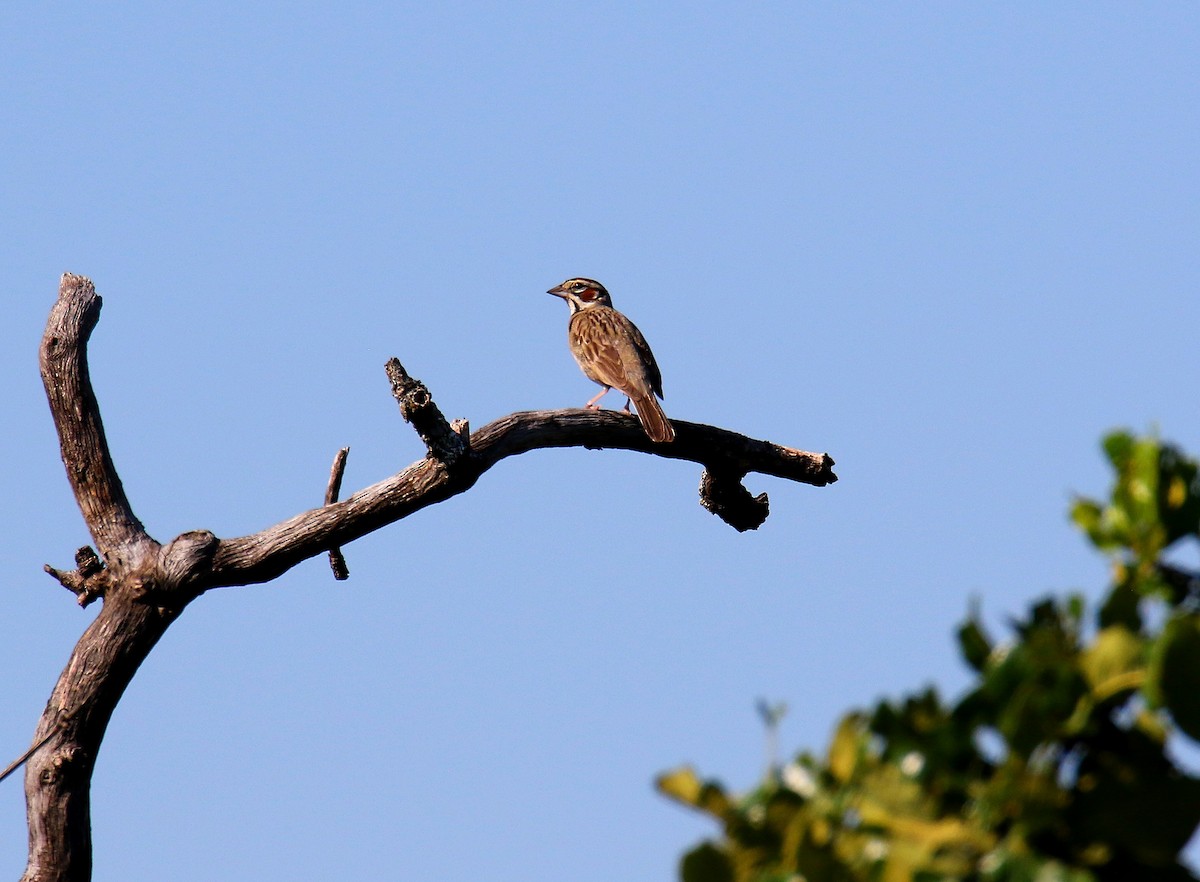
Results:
579 287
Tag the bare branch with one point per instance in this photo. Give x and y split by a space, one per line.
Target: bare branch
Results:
265 555
115 529
442 440
336 472
337 560
710 446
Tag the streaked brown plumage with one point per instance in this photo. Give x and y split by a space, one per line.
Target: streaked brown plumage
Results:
612 352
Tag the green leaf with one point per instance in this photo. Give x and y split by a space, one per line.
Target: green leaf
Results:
1089 517
1154 502
846 747
1179 497
1036 688
706 863
1133 517
1129 796
1121 607
1118 446
974 644
684 785
1174 673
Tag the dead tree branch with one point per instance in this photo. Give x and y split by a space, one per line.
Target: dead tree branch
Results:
337 560
145 586
106 510
268 554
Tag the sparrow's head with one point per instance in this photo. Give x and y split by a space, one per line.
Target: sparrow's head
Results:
581 293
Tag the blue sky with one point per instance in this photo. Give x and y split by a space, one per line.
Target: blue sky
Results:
950 245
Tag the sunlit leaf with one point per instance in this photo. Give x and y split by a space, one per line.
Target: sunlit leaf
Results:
1114 662
684 785
1118 446
846 746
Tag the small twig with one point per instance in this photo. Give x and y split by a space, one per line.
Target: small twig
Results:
88 581
337 561
23 758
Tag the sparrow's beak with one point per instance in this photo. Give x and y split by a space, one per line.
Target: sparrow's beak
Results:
558 291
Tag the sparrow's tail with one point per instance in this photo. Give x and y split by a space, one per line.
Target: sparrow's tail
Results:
654 421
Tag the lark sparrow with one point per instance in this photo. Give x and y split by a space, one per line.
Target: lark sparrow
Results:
612 352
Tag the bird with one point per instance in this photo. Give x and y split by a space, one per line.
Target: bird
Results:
612 352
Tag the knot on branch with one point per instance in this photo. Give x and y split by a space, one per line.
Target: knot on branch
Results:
184 561
170 576
88 581
444 442
66 763
176 575
722 494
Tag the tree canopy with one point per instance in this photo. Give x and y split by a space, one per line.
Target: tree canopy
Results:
1056 765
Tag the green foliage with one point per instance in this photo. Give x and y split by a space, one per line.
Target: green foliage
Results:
1051 768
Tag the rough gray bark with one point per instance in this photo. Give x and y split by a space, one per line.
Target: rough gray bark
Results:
145 586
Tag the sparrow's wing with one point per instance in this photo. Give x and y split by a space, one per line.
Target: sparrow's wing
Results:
607 347
645 358
613 352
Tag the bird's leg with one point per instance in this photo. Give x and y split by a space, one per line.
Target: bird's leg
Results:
626 407
592 405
